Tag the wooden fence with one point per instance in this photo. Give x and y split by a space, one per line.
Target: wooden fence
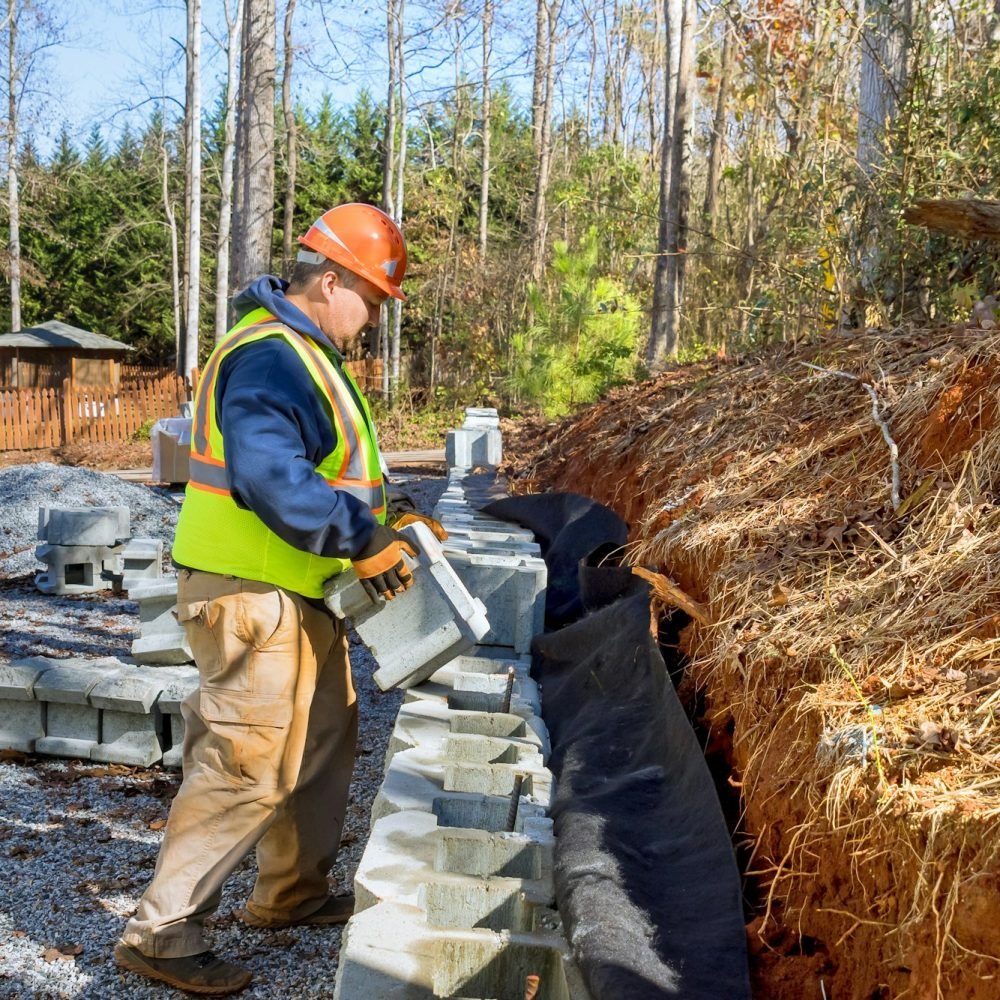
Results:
49 418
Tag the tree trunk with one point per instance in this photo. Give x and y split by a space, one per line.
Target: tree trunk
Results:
715 147
484 182
13 194
388 161
233 30
192 316
884 43
291 144
253 219
539 228
538 76
175 282
675 191
397 306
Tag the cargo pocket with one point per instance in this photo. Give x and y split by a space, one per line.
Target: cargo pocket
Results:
250 733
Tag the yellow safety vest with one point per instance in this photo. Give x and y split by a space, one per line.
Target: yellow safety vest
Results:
217 536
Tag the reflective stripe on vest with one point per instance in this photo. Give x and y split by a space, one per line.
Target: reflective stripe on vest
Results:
213 533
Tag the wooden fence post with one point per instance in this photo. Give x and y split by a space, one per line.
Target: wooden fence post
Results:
68 428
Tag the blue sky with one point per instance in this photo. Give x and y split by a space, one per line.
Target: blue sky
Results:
118 58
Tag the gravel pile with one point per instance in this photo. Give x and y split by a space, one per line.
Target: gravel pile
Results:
78 841
25 488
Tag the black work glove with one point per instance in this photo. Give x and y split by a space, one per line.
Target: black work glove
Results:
380 565
398 503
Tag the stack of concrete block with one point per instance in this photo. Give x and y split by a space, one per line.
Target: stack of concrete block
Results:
421 629
498 562
477 443
87 549
454 891
162 640
97 709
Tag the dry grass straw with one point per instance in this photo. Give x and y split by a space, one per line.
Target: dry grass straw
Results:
853 649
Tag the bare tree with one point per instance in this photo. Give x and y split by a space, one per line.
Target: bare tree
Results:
187 353
397 306
253 217
545 52
13 193
675 188
291 142
715 147
388 162
234 25
484 182
884 43
171 217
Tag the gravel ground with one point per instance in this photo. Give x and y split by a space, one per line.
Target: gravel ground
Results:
78 841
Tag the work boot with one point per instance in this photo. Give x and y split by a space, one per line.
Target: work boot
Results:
336 910
204 973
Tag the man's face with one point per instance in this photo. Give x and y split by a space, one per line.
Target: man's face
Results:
349 310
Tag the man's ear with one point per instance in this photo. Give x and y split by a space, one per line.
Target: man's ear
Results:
328 284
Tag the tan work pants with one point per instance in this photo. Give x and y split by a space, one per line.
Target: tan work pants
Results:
268 754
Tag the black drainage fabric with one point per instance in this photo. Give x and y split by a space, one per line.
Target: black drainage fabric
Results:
646 878
568 527
645 875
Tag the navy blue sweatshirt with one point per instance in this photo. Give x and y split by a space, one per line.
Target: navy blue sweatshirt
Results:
277 431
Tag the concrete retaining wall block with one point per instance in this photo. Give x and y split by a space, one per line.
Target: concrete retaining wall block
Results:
107 526
77 569
414 634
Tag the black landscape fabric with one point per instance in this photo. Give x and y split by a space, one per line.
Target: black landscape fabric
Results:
646 878
567 527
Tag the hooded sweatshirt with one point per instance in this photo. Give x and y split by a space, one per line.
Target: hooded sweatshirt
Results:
277 431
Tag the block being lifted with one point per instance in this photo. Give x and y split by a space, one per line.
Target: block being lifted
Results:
420 630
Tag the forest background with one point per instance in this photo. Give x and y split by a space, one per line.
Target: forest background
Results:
588 188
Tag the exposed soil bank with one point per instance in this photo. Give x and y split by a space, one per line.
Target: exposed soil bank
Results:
852 663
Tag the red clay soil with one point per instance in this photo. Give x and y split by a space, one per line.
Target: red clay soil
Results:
108 456
865 917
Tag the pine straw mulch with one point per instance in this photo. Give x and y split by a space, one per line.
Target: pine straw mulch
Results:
853 652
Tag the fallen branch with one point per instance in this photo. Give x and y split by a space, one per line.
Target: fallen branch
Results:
878 418
670 594
973 218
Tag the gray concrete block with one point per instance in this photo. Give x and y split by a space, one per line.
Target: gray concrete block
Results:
22 723
471 447
76 526
70 681
408 850
421 629
489 546
157 600
168 649
17 680
77 569
388 951
142 559
178 684
129 738
513 590
415 780
71 730
477 417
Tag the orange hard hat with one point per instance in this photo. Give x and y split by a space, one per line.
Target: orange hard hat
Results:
362 239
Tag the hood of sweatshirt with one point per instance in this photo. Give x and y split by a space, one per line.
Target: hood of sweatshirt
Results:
269 292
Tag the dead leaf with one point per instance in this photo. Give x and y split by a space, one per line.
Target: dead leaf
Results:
933 734
778 597
12 755
157 824
62 953
833 536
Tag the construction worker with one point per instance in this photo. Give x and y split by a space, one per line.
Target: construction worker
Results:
286 490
